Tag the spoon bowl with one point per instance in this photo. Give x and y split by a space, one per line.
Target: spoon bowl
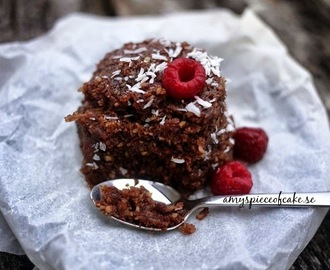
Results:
159 192
169 196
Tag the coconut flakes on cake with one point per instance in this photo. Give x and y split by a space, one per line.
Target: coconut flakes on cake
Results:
177 160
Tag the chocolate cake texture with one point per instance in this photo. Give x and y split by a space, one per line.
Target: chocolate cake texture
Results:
130 127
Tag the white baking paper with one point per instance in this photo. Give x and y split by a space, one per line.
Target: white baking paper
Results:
44 198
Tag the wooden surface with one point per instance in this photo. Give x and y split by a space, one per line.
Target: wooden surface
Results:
303 25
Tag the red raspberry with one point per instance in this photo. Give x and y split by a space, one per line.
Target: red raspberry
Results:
250 144
231 178
184 78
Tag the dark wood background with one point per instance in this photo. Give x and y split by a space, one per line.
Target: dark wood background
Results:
303 25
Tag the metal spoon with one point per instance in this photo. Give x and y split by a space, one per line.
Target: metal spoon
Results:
168 195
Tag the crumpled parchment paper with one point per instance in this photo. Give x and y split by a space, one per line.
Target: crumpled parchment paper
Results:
45 201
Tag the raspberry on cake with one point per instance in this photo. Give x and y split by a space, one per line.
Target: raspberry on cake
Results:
183 78
155 110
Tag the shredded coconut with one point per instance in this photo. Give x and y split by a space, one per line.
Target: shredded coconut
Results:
148 104
155 112
93 165
152 75
214 166
96 157
177 160
106 117
209 80
211 64
175 53
141 77
214 138
230 127
181 109
158 56
202 102
123 170
96 146
117 56
115 73
103 146
162 122
208 152
221 131
135 88
161 67
128 59
227 149
191 107
137 51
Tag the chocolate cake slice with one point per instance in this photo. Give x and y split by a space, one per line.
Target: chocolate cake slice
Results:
129 125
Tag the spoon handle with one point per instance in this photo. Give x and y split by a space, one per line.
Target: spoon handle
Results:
294 199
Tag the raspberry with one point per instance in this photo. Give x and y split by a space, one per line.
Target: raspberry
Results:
231 178
250 144
184 78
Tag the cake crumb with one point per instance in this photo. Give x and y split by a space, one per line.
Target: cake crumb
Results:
202 214
187 228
